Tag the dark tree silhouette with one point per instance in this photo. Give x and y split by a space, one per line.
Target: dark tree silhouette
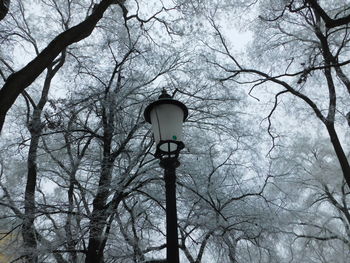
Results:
4 8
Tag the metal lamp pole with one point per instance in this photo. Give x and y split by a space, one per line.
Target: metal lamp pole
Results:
169 165
167 116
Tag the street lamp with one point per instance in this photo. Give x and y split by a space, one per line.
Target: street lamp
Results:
167 116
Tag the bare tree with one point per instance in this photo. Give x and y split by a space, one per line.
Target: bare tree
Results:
17 82
312 45
317 227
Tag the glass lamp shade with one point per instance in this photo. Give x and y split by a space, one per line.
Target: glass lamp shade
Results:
167 116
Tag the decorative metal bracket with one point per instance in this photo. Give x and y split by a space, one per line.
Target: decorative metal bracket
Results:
164 154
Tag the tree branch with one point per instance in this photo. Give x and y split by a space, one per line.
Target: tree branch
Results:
17 82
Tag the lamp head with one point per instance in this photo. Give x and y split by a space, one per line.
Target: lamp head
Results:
167 116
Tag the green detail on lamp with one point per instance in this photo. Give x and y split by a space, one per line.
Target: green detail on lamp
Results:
174 137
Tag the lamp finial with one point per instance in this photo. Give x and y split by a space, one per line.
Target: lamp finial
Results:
164 95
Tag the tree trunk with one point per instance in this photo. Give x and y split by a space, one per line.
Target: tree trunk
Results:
28 230
35 127
99 217
344 163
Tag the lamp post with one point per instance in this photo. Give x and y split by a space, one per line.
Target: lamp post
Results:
167 116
